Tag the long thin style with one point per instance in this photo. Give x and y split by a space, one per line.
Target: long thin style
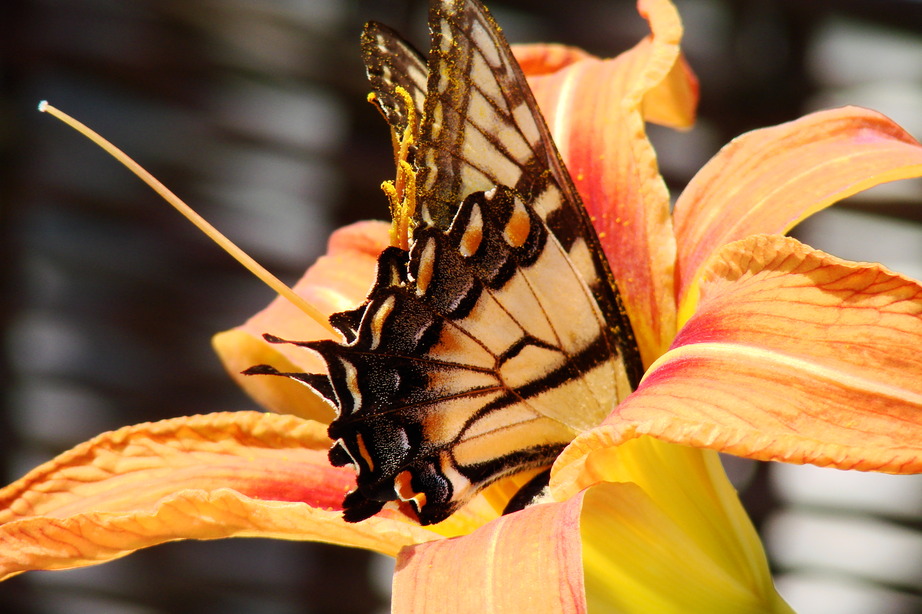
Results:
235 252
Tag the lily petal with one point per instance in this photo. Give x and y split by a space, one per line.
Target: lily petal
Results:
338 281
542 59
691 495
594 109
633 548
537 550
673 102
768 180
199 477
817 357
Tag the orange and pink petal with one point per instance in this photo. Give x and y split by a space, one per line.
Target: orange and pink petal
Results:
529 561
538 59
793 355
611 547
663 490
768 180
198 477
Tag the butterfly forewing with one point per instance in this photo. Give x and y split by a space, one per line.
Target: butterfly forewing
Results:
479 129
391 62
482 128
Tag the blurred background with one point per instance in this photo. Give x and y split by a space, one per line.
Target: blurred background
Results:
254 112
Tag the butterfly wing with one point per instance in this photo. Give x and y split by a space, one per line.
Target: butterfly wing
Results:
482 128
481 125
499 336
391 62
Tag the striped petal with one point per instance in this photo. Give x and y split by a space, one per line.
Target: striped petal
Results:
336 282
595 110
529 561
793 355
200 477
768 180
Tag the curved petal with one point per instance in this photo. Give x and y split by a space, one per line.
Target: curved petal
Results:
336 282
768 180
633 548
594 110
794 355
198 477
529 561
673 102
261 455
691 495
542 59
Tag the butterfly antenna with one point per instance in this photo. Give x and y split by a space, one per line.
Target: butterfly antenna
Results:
229 246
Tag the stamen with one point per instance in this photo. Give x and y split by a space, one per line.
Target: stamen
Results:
401 192
235 252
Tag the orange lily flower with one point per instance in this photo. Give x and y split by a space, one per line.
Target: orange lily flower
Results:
755 344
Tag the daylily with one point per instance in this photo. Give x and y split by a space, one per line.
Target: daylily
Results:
755 344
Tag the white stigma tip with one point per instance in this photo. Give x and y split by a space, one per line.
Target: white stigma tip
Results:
42 106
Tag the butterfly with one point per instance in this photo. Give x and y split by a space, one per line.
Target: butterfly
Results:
498 336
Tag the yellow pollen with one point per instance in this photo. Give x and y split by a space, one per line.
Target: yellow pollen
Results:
401 192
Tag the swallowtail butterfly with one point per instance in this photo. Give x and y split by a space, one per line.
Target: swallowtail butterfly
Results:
498 336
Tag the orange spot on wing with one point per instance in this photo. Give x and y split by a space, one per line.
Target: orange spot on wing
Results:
518 228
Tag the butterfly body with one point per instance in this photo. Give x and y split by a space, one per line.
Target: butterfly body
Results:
499 336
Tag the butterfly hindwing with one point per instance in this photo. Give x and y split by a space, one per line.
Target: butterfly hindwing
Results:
438 394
